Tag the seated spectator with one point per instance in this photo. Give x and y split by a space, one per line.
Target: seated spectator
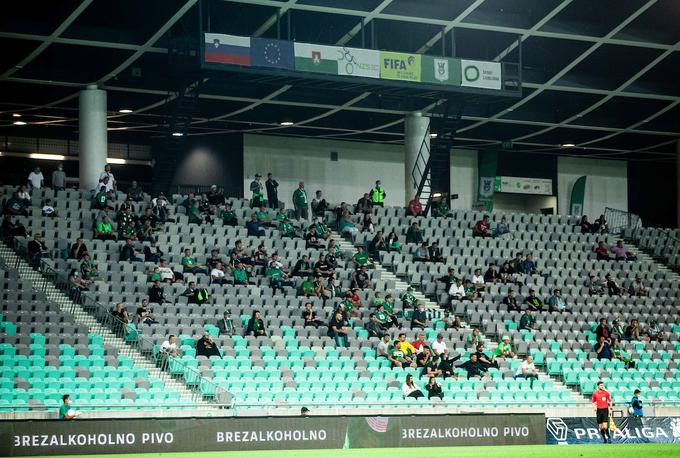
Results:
375 328
529 265
261 257
159 205
478 283
654 333
189 201
168 275
365 203
533 302
323 268
256 325
420 343
422 253
351 304
502 228
527 370
435 253
586 227
527 321
429 364
347 227
152 253
135 192
410 389
360 279
517 263
191 293
206 346
603 330
603 349
302 267
434 390
600 226
452 322
216 196
89 269
76 281
253 226
474 338
145 232
214 259
613 287
242 255
319 205
619 354
169 347
286 229
196 215
637 288
448 279
121 320
37 249
104 230
361 259
510 301
446 364
217 275
439 346
228 216
337 329
24 195
312 239
595 286
156 294
473 367
189 264
556 302
408 298
48 210
308 288
392 242
310 317
225 325
617 330
322 231
602 252
492 275
278 277
399 358
127 252
240 274
633 331
331 288
145 314
367 222
506 273
414 234
386 318
101 199
484 360
482 227
620 253
504 349
16 206
470 290
419 318
377 245
457 291
12 229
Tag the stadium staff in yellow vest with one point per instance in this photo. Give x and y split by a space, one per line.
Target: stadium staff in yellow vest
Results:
377 194
300 202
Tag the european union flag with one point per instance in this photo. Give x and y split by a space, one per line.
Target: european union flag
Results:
265 52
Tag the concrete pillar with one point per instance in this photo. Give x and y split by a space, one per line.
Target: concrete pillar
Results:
677 180
415 129
93 137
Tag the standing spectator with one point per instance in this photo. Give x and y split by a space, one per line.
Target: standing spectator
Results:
603 330
226 326
410 389
511 301
127 252
377 194
603 349
434 390
272 191
256 189
533 302
59 178
156 294
481 228
556 302
37 249
414 234
78 249
337 329
205 346
300 202
504 349
36 180
256 325
636 405
107 178
527 321
419 318
319 205
527 370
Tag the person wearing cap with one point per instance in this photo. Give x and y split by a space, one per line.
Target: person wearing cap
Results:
37 248
504 349
225 325
256 189
272 191
300 202
556 302
304 412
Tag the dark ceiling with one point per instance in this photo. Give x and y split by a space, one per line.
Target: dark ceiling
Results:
604 74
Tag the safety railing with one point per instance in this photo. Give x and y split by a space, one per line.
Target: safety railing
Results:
620 220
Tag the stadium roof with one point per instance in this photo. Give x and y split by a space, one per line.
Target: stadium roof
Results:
603 75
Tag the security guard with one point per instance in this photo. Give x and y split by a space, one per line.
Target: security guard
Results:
377 194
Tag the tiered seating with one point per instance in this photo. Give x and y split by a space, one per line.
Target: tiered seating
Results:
661 243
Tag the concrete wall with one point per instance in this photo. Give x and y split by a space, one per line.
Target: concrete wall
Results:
464 178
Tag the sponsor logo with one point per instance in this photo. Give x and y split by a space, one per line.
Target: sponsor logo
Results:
558 428
471 73
441 69
216 43
316 57
486 186
675 427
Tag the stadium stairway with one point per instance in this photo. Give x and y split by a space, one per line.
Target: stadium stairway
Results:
643 255
80 316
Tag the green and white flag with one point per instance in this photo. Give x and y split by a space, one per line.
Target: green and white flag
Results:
440 70
578 193
317 58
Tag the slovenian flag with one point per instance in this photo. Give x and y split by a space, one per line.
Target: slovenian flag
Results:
227 49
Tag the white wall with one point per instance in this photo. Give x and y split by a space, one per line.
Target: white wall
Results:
293 159
606 184
464 178
522 203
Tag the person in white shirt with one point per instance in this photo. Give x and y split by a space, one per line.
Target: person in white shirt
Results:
384 346
166 273
410 389
457 291
478 281
36 179
439 346
111 184
217 274
24 195
527 370
169 347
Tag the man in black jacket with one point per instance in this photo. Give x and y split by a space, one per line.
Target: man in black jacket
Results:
272 191
375 328
226 325
127 253
156 293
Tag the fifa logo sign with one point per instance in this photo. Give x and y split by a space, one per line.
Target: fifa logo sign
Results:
398 64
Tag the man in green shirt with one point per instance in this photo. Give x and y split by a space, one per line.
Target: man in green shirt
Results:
307 287
228 215
504 349
195 216
408 298
104 231
278 278
66 411
263 217
101 199
189 264
287 229
240 275
300 202
527 321
89 269
414 234
321 229
361 259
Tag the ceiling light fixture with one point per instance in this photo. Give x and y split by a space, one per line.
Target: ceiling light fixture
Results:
433 135
125 110
16 115
47 157
177 134
115 160
19 123
568 145
287 123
